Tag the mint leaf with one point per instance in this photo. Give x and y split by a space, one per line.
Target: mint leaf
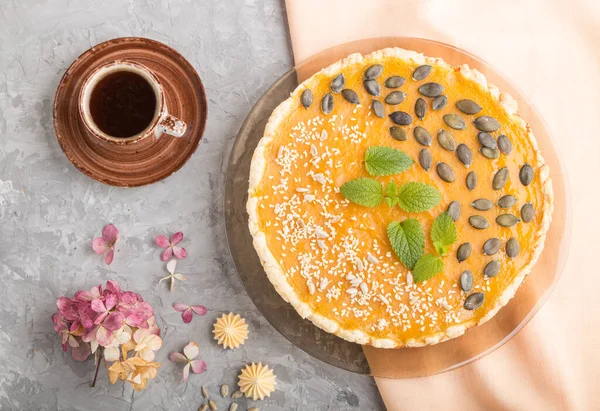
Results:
443 232
417 197
391 190
363 191
385 161
408 240
427 267
440 248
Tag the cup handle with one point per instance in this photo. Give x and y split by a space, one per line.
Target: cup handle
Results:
170 125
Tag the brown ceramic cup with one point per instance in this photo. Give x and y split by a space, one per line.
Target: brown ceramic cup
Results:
162 122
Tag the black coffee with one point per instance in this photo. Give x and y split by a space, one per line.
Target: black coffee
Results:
122 104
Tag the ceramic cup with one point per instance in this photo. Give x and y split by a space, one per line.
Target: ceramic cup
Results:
162 122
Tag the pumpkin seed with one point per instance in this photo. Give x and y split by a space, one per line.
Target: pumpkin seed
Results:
454 210
468 106
474 301
203 407
238 394
445 172
420 108
482 204
478 222
491 246
398 133
378 109
526 174
527 212
463 252
425 159
512 248
446 140
350 96
500 178
254 409
471 180
212 405
395 97
431 89
486 123
337 84
422 136
506 201
373 72
466 281
492 269
491 153
307 98
395 82
507 220
504 144
486 140
204 392
439 102
421 72
233 407
455 121
401 118
372 87
327 103
224 390
463 152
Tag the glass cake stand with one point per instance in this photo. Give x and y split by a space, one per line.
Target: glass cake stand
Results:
404 362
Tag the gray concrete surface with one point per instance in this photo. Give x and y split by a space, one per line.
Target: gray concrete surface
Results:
49 211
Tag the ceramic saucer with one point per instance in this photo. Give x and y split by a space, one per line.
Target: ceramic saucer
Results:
149 160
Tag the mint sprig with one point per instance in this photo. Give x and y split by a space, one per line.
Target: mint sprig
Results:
391 194
443 233
407 240
385 161
427 267
363 191
417 197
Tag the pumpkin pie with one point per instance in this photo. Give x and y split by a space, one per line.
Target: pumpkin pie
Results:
396 200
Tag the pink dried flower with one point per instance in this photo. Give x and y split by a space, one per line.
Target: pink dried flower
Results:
190 352
106 244
171 247
187 311
115 324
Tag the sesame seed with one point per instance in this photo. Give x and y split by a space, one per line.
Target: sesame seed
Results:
323 284
372 259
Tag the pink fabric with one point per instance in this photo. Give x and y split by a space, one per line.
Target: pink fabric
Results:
551 50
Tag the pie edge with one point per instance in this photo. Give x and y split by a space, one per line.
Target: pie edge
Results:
276 274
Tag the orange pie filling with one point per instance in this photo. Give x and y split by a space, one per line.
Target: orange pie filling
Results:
336 255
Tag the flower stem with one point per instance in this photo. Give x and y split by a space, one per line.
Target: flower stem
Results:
98 357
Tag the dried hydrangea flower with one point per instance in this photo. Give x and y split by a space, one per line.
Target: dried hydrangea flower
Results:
187 311
190 352
171 247
106 244
171 266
